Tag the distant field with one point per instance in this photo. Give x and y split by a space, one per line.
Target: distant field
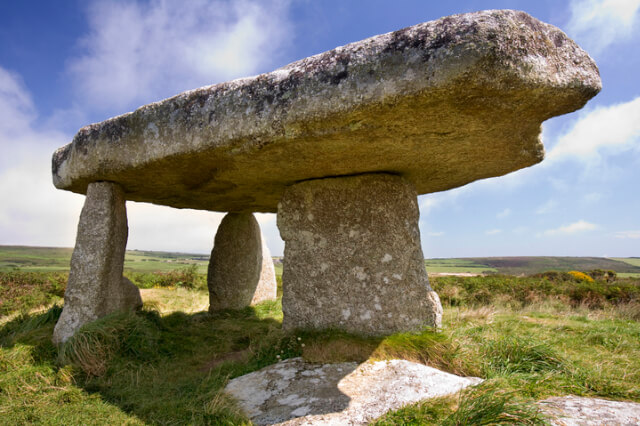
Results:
527 265
457 266
47 259
635 261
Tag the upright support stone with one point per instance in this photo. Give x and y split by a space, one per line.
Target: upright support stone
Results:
96 286
235 277
352 257
267 285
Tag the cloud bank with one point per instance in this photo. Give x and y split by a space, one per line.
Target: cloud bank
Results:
599 23
138 52
610 129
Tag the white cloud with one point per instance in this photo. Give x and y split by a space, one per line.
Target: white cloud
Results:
592 197
627 235
504 213
547 207
162 228
493 232
597 24
602 130
32 210
574 228
137 52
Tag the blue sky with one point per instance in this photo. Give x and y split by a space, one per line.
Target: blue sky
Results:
65 64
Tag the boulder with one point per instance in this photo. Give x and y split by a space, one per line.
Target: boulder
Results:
441 103
353 258
235 277
96 286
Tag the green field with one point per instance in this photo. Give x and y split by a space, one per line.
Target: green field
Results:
528 337
49 259
528 265
45 259
635 261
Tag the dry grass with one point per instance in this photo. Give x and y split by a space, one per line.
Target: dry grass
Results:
339 350
175 299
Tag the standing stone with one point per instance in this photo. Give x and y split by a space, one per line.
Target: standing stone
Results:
352 257
96 286
267 285
234 276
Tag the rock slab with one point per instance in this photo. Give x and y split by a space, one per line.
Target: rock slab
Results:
441 103
96 286
294 392
352 257
235 278
580 411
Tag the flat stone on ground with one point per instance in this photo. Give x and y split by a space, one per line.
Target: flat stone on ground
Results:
580 411
294 392
441 103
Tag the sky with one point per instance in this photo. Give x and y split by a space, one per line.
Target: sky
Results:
65 64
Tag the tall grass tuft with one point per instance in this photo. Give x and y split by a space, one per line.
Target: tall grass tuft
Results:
510 354
429 347
488 405
123 334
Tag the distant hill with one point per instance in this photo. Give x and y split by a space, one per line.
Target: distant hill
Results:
527 265
57 259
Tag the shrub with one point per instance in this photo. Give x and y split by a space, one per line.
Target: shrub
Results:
580 276
186 277
23 291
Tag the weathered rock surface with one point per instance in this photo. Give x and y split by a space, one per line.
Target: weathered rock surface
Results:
96 286
237 258
267 285
352 257
579 411
299 393
442 103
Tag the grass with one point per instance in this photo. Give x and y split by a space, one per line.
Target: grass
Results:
51 259
529 338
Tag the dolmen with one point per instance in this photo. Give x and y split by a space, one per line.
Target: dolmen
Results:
339 145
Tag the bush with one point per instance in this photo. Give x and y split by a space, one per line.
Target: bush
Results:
580 276
23 291
186 277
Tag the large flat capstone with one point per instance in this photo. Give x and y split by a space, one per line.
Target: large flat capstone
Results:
442 103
